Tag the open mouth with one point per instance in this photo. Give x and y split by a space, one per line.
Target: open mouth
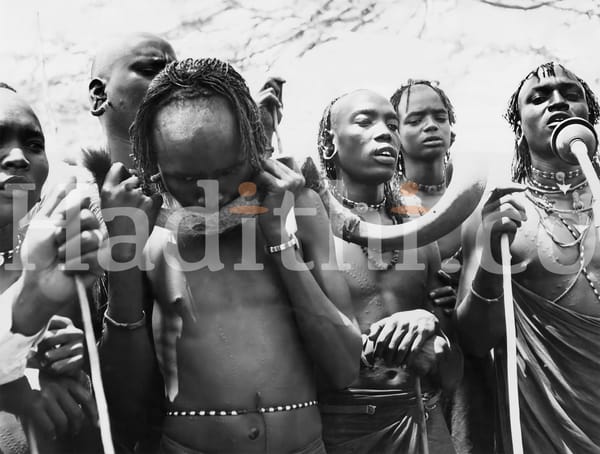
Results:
556 118
386 152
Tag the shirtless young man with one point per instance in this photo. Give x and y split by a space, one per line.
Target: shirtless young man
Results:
426 119
556 270
242 337
403 340
33 284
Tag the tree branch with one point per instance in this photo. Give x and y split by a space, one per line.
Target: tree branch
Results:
520 7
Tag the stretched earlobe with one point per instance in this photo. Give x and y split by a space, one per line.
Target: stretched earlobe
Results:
98 98
99 111
331 149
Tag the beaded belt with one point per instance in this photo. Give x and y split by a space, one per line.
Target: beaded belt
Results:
310 403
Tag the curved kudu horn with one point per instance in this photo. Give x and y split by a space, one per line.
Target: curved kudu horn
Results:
457 203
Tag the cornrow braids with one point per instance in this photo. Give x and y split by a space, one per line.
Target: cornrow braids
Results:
521 164
325 141
435 86
193 79
325 147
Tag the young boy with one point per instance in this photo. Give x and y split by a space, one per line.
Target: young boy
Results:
246 316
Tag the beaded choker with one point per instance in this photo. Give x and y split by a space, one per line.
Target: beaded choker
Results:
361 207
560 177
536 186
432 188
556 175
429 188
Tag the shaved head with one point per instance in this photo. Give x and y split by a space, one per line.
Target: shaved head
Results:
121 73
126 46
349 101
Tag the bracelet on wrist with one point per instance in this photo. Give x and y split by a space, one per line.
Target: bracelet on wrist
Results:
483 298
291 243
130 326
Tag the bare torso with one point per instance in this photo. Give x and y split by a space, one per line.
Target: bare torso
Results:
377 294
231 343
554 271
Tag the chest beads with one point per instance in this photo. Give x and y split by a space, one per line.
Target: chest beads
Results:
537 193
373 255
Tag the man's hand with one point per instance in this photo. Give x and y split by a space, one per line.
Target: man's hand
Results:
60 351
274 182
426 359
61 406
401 334
501 214
121 191
445 295
269 100
62 241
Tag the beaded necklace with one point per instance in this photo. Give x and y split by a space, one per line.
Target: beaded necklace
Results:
380 265
361 207
579 241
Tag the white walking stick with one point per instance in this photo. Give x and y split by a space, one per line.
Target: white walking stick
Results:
96 376
511 350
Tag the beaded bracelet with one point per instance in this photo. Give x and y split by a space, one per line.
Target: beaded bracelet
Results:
292 242
130 326
483 298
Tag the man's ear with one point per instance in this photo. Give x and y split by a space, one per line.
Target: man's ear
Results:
97 92
452 138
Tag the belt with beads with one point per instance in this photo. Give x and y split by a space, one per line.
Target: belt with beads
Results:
274 409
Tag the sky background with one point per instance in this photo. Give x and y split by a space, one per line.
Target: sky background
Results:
478 51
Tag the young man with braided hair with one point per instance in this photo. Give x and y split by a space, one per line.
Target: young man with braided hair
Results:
241 334
427 118
403 341
555 274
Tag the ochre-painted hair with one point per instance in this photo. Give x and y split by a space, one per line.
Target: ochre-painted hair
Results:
192 79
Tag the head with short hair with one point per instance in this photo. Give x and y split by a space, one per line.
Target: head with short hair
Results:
533 100
121 72
213 85
358 140
401 100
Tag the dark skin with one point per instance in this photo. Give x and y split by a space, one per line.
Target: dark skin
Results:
425 134
39 293
121 73
543 101
306 330
400 329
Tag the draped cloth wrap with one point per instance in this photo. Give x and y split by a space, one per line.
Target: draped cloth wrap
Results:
390 427
558 355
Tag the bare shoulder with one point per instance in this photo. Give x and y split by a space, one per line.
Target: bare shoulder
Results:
311 217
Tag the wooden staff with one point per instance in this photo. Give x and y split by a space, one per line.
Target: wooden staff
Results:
96 376
511 349
422 417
